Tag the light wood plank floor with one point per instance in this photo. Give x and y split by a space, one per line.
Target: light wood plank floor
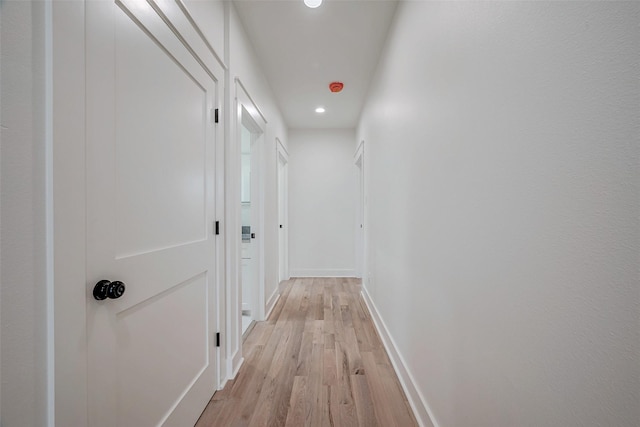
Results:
317 361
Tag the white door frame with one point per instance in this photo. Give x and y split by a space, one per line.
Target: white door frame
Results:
69 234
66 93
247 112
282 176
360 211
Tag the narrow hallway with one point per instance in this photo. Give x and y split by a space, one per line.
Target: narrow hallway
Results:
476 164
317 361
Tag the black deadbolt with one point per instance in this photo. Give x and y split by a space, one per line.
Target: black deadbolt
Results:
105 289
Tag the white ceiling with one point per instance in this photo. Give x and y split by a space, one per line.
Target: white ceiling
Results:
302 50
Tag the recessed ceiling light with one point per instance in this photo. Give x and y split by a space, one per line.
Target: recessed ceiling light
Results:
320 110
313 3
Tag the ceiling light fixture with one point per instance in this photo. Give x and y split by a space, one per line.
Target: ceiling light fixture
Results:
320 110
313 3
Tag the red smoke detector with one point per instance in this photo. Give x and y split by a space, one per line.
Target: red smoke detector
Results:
335 87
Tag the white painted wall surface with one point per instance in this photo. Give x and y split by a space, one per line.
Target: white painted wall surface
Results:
244 64
322 198
23 306
502 171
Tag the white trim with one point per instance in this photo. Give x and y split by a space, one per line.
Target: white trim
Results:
49 277
271 303
244 89
282 149
189 35
237 362
359 151
69 231
221 240
283 154
248 112
197 28
228 223
419 405
222 384
248 120
302 272
360 222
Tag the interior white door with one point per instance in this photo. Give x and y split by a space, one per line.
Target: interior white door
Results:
359 216
282 206
150 214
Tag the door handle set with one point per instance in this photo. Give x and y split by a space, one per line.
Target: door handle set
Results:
106 289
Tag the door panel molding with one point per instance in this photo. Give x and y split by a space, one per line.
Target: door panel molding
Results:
198 30
171 12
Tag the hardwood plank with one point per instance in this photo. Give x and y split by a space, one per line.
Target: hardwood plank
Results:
329 340
353 353
363 402
272 405
317 398
300 412
304 356
317 361
328 309
330 374
329 416
344 402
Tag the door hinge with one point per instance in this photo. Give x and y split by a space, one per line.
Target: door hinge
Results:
216 115
217 228
217 339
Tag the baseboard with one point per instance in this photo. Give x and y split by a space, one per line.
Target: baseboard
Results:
271 303
236 362
421 409
237 369
323 273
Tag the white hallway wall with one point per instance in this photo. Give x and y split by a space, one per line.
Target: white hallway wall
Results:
322 195
502 171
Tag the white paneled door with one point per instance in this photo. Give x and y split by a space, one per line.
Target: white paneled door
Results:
283 244
151 144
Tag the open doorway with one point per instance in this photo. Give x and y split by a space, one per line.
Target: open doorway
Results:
246 282
250 134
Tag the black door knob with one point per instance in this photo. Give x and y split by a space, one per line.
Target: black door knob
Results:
105 289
